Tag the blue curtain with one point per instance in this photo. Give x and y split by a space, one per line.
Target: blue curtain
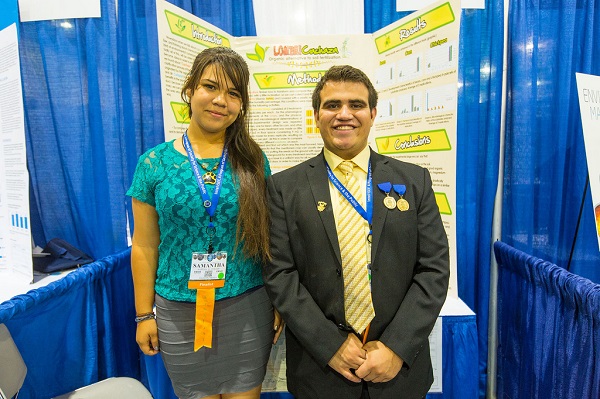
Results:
71 98
548 329
75 331
546 170
478 147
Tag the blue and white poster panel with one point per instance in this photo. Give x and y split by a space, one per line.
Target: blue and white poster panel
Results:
15 232
588 91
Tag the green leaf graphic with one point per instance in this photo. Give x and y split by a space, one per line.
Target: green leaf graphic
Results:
260 52
259 55
180 25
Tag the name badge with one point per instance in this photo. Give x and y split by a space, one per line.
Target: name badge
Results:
208 270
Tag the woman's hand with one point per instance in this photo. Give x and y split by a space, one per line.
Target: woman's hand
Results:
277 326
146 336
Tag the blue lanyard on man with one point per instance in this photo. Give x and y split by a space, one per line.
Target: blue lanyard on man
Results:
210 204
368 214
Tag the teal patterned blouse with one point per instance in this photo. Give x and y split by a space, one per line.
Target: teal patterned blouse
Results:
163 178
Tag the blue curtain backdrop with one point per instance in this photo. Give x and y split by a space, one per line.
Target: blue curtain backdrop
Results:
546 170
71 98
478 143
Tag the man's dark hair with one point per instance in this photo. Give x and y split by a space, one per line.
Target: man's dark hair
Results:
344 73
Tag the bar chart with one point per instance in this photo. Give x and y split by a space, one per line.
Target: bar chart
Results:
441 99
409 68
410 104
19 221
442 57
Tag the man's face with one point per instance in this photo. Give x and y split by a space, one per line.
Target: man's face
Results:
344 117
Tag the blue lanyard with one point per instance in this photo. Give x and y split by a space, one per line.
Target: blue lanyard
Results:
368 214
209 204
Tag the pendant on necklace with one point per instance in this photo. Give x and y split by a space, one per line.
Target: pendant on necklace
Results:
209 177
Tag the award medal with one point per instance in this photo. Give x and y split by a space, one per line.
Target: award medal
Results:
389 202
402 203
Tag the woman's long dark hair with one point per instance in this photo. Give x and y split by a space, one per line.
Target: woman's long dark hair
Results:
245 155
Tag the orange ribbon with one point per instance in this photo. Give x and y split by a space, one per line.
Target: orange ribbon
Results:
205 309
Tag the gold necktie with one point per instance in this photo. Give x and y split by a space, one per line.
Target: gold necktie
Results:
351 235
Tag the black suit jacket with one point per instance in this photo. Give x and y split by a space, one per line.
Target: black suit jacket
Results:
410 272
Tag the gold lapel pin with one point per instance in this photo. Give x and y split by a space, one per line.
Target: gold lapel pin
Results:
321 205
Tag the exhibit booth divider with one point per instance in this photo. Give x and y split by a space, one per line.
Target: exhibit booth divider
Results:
548 329
80 329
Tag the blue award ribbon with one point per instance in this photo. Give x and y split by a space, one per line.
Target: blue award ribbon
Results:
400 189
368 214
210 204
385 187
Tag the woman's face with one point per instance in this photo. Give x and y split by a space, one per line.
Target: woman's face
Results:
216 103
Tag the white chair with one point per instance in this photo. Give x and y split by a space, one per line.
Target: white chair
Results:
12 366
13 371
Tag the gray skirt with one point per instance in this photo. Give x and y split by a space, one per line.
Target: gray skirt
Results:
242 340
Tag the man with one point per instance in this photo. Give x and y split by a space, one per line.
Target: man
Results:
402 249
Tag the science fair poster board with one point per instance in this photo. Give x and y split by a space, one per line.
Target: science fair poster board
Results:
588 91
413 64
15 228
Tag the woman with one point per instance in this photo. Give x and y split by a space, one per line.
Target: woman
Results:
188 213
